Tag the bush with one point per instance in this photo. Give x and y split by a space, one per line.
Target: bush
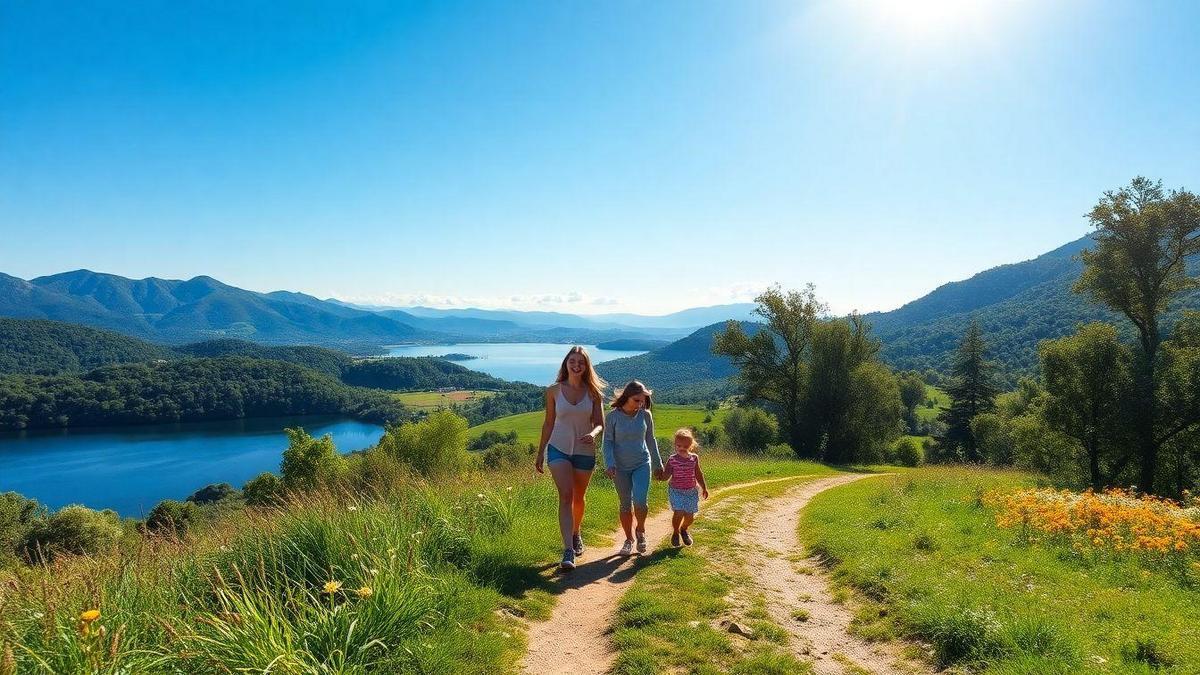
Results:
211 494
779 451
507 455
907 452
489 438
72 529
17 516
309 462
172 518
263 490
436 445
751 429
712 437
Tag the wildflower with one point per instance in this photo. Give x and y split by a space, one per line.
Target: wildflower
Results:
354 556
364 592
479 495
352 508
332 587
90 615
508 489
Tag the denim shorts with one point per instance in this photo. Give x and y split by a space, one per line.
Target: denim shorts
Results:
580 462
633 487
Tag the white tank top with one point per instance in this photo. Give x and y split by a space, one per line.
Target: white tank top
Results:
570 422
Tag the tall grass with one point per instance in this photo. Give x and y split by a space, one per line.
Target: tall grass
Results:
399 574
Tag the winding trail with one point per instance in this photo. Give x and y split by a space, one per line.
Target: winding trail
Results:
771 543
575 637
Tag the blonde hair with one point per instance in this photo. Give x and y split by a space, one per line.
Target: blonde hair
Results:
685 432
591 380
632 389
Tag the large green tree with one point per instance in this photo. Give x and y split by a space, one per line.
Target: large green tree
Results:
972 392
822 377
1088 377
1144 236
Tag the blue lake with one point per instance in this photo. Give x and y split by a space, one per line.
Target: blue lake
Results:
534 362
130 469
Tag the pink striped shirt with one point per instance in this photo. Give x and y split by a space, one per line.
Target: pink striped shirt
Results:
683 470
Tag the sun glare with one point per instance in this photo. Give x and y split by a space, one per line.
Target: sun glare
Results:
919 20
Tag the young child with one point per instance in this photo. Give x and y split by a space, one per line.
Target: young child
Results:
683 470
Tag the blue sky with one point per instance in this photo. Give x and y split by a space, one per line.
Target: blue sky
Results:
578 156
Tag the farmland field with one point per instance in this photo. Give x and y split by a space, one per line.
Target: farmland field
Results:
435 400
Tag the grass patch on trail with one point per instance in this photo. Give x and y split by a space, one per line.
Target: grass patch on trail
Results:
446 564
428 401
668 621
928 562
667 418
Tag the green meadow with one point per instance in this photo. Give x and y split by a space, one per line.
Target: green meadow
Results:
667 418
428 401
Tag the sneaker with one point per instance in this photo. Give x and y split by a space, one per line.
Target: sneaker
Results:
675 540
627 548
641 542
577 544
687 538
568 561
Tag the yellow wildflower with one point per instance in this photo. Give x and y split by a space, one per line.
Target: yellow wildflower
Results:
364 592
90 615
332 587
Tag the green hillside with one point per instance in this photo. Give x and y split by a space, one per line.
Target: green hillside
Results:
52 347
667 418
685 371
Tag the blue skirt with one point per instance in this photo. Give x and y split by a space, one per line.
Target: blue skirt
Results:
684 500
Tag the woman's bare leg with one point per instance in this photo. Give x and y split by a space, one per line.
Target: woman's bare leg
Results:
564 480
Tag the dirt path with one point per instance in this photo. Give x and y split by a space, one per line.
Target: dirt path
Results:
574 639
770 542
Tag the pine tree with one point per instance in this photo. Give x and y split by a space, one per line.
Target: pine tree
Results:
972 391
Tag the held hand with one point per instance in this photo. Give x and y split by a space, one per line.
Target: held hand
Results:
704 493
587 439
610 472
540 463
660 475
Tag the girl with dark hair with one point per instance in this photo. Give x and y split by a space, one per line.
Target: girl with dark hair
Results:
630 454
574 418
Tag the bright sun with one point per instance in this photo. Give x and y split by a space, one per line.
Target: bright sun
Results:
930 19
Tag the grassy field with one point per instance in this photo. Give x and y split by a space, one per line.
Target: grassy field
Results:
667 418
436 400
930 563
940 399
665 622
403 575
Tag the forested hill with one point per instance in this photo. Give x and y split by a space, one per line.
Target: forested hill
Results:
175 311
54 347
1017 306
685 371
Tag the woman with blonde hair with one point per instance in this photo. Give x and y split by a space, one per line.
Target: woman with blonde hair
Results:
574 418
630 453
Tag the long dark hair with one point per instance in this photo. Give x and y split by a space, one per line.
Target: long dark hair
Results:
591 380
633 388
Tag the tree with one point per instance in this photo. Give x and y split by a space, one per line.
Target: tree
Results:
1143 237
264 489
72 529
309 462
1088 377
172 517
821 377
971 392
912 394
436 445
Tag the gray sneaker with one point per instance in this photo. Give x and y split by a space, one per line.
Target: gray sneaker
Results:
687 538
568 561
577 544
641 542
627 548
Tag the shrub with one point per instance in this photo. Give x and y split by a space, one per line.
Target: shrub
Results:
436 445
172 518
751 429
17 516
489 438
907 452
72 529
309 462
779 451
210 494
263 490
507 455
712 437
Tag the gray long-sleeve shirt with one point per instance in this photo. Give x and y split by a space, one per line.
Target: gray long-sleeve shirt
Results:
629 440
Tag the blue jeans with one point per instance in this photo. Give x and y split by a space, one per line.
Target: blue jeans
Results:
633 487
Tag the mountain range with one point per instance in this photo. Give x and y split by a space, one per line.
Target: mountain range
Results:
176 311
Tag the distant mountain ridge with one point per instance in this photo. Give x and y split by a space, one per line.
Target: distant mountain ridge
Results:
202 308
